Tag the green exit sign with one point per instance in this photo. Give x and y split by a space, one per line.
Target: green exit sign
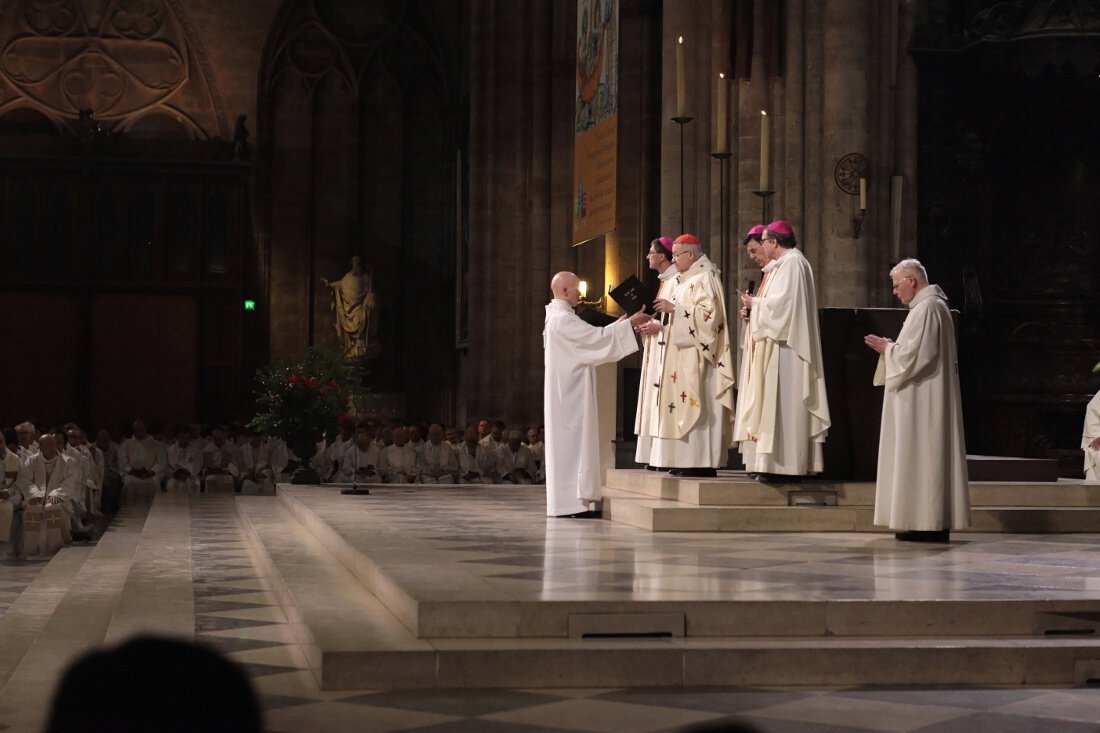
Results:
249 305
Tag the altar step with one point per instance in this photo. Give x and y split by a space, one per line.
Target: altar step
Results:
733 502
364 624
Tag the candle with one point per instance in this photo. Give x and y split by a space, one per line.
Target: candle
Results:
765 151
722 114
863 194
681 84
583 287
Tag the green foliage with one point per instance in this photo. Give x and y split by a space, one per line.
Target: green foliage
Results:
306 395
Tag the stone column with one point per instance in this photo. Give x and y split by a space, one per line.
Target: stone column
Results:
843 277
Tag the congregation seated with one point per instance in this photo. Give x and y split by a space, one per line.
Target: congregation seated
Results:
416 439
141 463
111 485
339 445
399 464
184 463
438 462
52 512
452 438
538 451
515 463
491 433
256 463
362 460
88 491
216 457
25 433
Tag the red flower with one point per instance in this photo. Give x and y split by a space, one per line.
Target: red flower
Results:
332 384
311 381
292 380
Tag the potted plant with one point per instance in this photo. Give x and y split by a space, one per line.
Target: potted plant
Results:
301 398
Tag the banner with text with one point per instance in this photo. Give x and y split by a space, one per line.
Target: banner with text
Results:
595 145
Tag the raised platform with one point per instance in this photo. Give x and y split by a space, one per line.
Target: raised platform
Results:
733 502
474 587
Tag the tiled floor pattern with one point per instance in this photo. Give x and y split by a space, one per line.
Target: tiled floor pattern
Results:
499 540
236 613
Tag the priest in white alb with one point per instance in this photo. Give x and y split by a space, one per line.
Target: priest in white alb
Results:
921 491
572 351
1090 440
695 420
654 344
783 409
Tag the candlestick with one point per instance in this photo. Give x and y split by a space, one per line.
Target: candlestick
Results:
863 194
681 83
722 115
765 151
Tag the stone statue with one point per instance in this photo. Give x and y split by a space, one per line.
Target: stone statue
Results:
353 301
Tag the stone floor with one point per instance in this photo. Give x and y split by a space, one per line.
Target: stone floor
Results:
236 612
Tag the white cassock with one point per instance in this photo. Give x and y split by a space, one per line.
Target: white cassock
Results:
82 494
57 479
538 451
653 360
256 467
695 421
214 458
440 456
477 466
922 481
1091 433
145 453
745 372
358 465
785 415
572 350
399 464
322 463
186 459
507 461
16 482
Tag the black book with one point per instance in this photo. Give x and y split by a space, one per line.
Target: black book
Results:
632 296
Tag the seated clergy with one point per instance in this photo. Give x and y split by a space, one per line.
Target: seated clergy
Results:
93 479
451 437
184 461
399 464
537 448
141 462
83 461
256 464
477 463
216 457
14 490
515 463
361 462
416 439
25 433
438 463
55 479
339 445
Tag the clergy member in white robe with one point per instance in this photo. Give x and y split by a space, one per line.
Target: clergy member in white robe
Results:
476 462
654 344
921 490
1090 440
695 422
399 461
438 463
362 461
14 489
183 460
255 464
572 351
141 462
755 250
785 416
55 480
538 452
217 454
515 464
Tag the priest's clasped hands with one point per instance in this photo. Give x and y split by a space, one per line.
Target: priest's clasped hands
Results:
878 343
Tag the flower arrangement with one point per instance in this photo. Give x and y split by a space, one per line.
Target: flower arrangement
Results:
306 395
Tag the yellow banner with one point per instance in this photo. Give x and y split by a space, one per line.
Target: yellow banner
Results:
595 146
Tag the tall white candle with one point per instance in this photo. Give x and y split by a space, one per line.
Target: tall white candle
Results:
681 82
721 115
765 151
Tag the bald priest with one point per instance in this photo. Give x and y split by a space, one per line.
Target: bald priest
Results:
572 351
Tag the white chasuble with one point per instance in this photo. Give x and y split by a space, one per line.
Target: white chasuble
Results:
1091 433
653 361
572 350
922 481
784 411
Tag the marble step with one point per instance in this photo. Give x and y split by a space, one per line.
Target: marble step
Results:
436 600
736 489
665 515
353 642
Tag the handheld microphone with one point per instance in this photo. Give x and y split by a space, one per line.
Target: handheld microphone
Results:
752 287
